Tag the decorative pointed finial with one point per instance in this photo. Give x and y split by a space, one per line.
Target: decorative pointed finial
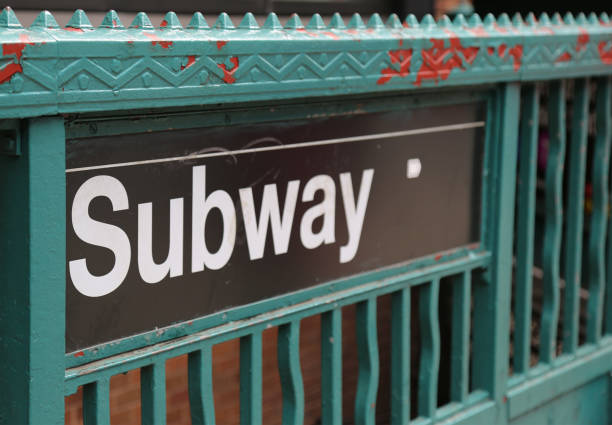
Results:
272 22
531 19
569 18
394 21
517 20
198 22
171 22
142 21
248 22
428 21
411 21
44 20
489 20
444 22
604 18
475 20
593 20
375 22
459 21
224 22
111 20
544 20
294 22
556 19
356 22
504 20
581 19
79 20
8 19
337 22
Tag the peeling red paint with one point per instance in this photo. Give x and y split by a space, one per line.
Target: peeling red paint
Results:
73 29
491 51
583 39
228 74
14 49
190 61
163 24
401 57
605 55
305 31
545 30
331 35
438 257
114 22
352 31
157 40
439 61
220 44
405 25
79 354
516 53
501 50
478 32
565 57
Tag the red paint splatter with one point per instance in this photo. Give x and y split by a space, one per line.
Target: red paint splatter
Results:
565 57
331 35
14 49
163 24
605 55
405 25
220 44
157 40
478 31
79 354
583 39
73 29
190 61
491 51
516 53
402 57
438 257
228 74
114 22
439 61
501 50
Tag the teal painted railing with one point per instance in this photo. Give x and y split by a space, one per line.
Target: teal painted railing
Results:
59 82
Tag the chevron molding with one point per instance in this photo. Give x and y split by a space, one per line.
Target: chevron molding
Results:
46 69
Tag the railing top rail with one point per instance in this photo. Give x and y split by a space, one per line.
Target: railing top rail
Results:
79 68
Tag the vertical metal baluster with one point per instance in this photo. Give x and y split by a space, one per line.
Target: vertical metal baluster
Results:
291 373
331 367
200 381
554 219
367 355
430 349
400 357
153 394
574 223
96 405
250 379
460 340
491 289
597 234
525 228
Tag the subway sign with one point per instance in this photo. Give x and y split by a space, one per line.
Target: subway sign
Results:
165 227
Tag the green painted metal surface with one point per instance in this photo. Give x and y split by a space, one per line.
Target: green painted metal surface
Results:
111 79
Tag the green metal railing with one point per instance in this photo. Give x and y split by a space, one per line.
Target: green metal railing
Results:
59 84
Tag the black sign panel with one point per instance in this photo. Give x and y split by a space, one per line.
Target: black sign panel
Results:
169 226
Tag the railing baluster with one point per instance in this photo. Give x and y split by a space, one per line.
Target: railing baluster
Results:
291 373
575 208
367 354
331 367
250 379
525 227
153 394
200 381
597 234
554 218
96 405
400 357
430 349
460 340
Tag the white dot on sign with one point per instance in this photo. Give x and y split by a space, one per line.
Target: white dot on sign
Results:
414 168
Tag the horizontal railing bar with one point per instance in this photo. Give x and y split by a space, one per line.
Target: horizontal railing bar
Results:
447 411
130 360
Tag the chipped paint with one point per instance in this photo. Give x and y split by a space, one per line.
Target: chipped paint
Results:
478 31
583 40
79 354
605 54
220 44
565 57
515 52
491 50
16 49
228 74
402 58
163 24
157 41
331 35
439 61
71 29
190 61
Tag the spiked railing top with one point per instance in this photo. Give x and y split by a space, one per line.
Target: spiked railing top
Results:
141 65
